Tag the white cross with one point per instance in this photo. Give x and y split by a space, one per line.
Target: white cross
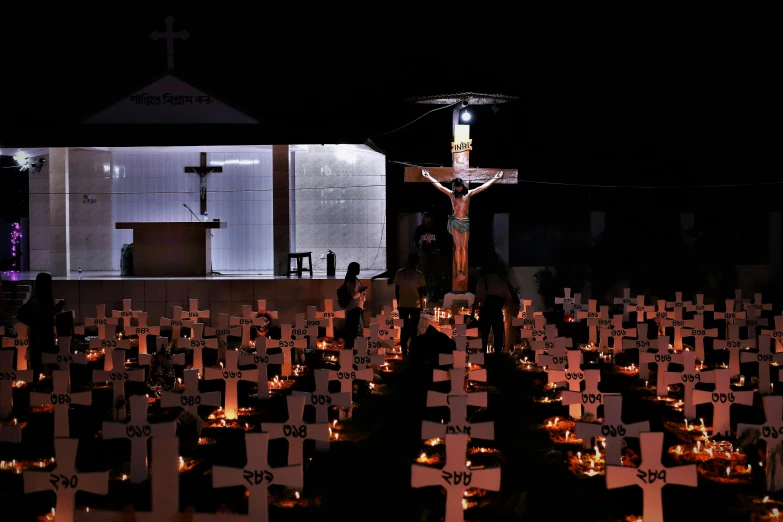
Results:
346 374
567 301
751 321
262 359
729 315
245 324
675 321
222 332
455 477
651 476
118 376
739 302
459 359
64 358
9 375
391 317
20 344
137 431
231 375
126 313
61 399
617 333
458 420
197 344
538 332
626 300
464 343
556 354
109 345
99 321
65 480
734 345
661 357
161 345
699 307
257 476
777 333
698 332
364 356
589 398
611 428
525 317
380 334
678 302
142 330
247 310
639 308
593 317
771 432
291 340
722 398
659 312
307 328
191 398
573 376
765 357
295 430
642 341
331 314
193 313
322 399
176 322
758 305
689 377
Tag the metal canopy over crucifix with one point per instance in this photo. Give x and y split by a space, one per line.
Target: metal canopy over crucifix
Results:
203 171
170 35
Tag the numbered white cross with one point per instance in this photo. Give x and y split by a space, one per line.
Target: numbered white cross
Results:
642 341
231 375
364 356
64 358
331 314
99 321
566 301
346 374
661 357
458 420
752 321
660 313
295 430
459 359
245 324
626 300
161 344
721 399
593 317
118 376
695 328
770 432
676 323
176 323
378 333
578 305
455 476
262 359
729 315
137 431
126 313
617 332
109 345
308 328
739 302
61 399
465 343
193 313
734 345
689 377
777 333
525 317
537 333
651 476
573 376
8 375
197 344
758 305
765 357
291 342
639 308
257 476
222 332
589 398
678 302
388 321
556 355
699 307
65 480
611 428
322 399
142 330
191 398
20 344
247 310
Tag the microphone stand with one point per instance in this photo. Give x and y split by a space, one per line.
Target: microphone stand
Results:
211 272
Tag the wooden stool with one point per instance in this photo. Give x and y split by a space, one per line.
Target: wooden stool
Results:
299 256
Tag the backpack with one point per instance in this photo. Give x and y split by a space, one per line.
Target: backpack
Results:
344 296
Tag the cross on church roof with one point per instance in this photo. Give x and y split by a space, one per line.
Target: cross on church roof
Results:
170 35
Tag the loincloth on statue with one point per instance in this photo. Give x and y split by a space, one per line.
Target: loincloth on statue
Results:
458 224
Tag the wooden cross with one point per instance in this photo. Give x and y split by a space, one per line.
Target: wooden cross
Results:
161 345
455 476
661 357
203 170
191 398
458 420
347 374
257 476
699 307
9 375
170 35
65 480
556 355
20 344
777 333
651 476
734 345
331 314
639 308
295 430
262 359
231 375
364 356
698 332
729 315
678 302
176 323
109 345
118 376
626 300
142 331
99 321
771 432
61 399
765 357
611 428
137 431
617 332
573 376
196 343
689 377
589 398
721 399
222 332
758 305
321 398
642 342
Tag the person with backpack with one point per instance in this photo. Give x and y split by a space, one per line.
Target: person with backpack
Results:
38 313
493 293
351 296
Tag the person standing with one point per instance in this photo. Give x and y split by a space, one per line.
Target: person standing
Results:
355 309
38 313
493 293
428 242
410 288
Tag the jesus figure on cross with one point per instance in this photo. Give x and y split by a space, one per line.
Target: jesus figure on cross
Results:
459 223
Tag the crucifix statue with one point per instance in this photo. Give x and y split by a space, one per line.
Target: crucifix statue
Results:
169 36
460 175
203 171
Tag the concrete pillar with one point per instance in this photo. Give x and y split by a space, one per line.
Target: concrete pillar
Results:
775 245
59 213
501 237
597 224
281 202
